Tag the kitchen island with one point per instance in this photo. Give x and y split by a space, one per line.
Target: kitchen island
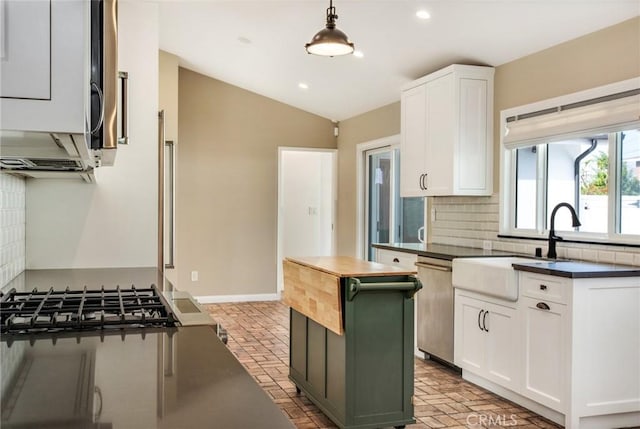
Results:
351 338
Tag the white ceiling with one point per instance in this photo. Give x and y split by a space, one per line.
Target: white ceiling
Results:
259 45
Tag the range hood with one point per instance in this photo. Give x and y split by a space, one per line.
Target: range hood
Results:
46 155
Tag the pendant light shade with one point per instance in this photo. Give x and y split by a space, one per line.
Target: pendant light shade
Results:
330 41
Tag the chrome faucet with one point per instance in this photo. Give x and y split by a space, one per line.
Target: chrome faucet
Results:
553 238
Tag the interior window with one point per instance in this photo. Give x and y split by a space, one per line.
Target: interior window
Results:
389 218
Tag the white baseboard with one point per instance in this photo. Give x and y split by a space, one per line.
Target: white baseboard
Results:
217 299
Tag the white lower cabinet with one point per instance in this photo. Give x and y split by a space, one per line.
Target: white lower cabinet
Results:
544 340
486 337
568 349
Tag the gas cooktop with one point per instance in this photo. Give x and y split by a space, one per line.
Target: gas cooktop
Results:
53 311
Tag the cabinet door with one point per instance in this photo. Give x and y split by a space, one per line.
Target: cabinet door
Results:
501 345
471 147
440 134
49 91
25 49
412 143
544 349
469 337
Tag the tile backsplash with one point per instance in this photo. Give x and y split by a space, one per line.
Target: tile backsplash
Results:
468 221
12 227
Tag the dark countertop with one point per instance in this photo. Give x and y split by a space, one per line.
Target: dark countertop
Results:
579 270
168 378
173 378
442 251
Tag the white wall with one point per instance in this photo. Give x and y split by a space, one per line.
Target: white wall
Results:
12 227
306 203
70 224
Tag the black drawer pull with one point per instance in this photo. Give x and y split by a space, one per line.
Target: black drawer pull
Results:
543 287
543 306
396 260
484 322
480 315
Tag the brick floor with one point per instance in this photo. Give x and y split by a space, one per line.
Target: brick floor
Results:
259 337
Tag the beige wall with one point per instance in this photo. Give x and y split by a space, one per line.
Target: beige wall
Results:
168 94
608 55
382 122
227 183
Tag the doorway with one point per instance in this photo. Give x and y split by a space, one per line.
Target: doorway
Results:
383 215
307 201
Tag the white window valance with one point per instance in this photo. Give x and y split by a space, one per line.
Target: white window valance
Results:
605 114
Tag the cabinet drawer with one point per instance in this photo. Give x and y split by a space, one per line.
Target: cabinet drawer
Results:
398 259
550 288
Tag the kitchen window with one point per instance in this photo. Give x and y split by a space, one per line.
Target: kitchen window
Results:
583 149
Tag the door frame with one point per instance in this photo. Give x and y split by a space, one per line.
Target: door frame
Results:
361 196
334 211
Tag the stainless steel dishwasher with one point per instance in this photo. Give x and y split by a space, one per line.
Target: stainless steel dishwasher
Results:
435 308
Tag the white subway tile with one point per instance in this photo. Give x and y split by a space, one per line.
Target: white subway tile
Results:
624 258
606 256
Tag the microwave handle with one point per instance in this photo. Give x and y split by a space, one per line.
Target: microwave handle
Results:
124 108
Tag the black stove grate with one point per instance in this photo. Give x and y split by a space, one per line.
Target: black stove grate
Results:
81 310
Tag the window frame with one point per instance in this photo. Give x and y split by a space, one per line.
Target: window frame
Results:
507 208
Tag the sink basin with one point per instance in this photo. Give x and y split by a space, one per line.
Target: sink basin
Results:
489 276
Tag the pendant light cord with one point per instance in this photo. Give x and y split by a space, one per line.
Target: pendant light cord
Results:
331 15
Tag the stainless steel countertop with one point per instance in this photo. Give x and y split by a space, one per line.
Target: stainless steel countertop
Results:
142 378
171 378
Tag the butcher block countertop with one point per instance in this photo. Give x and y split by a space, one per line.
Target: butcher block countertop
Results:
312 285
347 266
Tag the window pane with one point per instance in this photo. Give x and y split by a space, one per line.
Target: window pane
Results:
629 182
526 187
593 173
379 198
409 212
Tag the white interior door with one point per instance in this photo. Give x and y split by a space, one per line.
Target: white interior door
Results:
307 193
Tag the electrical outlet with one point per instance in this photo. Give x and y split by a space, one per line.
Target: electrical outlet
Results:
194 276
486 245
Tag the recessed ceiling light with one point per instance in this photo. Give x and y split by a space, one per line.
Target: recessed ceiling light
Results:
303 85
244 40
423 14
358 54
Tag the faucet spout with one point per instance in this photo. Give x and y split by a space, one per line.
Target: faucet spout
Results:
553 238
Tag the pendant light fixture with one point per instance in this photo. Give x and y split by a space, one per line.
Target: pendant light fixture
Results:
330 41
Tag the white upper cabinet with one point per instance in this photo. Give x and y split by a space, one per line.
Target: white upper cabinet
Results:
44 65
25 53
446 133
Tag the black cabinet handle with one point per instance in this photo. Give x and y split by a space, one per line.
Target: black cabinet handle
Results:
479 315
543 287
543 306
396 260
425 181
484 321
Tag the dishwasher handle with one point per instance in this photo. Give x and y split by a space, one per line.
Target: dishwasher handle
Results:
433 267
354 286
